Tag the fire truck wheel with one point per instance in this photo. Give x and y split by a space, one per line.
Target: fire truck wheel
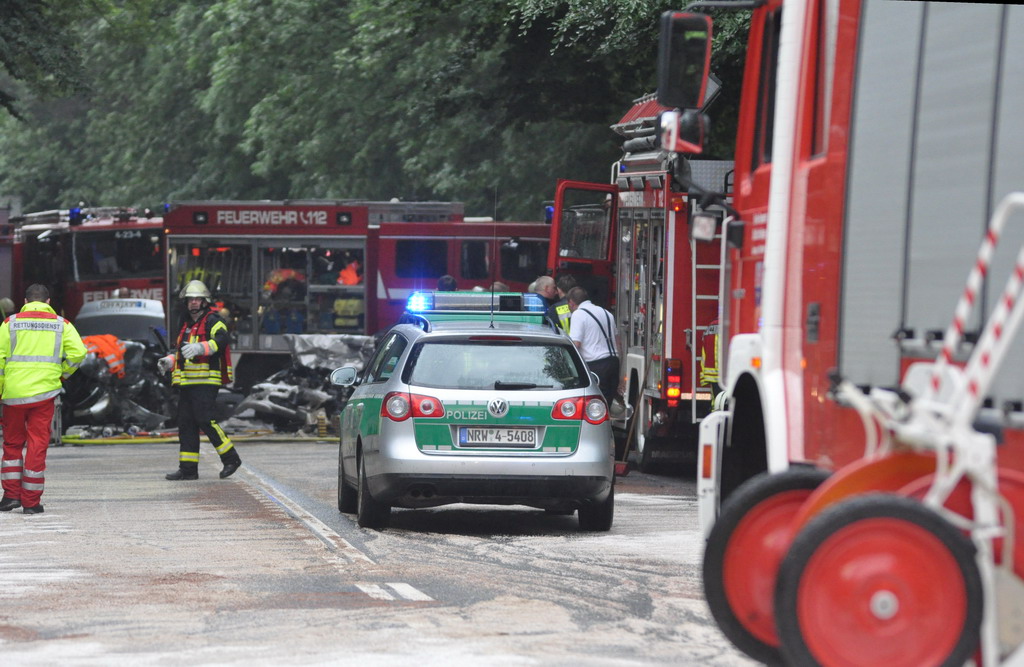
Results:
348 499
879 580
743 552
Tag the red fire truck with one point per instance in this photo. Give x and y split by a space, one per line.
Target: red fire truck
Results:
869 464
334 267
85 254
628 243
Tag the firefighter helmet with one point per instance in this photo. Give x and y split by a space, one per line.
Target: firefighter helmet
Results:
195 289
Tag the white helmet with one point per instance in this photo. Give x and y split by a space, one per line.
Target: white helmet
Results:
195 289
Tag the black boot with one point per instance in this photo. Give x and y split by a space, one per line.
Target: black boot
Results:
180 474
230 467
35 509
8 504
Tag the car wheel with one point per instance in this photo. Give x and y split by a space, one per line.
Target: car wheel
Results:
369 512
598 517
348 501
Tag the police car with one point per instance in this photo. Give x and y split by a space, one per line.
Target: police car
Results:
468 402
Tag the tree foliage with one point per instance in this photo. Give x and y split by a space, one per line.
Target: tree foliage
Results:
481 101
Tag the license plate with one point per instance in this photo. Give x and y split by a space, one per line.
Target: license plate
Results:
473 436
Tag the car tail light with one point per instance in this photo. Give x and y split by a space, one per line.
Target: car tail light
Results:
395 406
426 406
591 408
399 406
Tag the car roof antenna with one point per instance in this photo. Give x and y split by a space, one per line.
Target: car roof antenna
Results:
494 249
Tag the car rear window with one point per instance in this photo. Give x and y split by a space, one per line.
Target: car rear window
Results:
495 364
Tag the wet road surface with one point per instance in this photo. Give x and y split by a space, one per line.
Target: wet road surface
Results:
125 568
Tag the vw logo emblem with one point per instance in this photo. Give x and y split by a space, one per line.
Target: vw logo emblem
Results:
498 407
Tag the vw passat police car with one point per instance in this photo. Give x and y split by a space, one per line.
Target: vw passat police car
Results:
465 403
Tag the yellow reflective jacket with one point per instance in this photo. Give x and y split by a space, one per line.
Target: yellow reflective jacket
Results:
38 350
214 365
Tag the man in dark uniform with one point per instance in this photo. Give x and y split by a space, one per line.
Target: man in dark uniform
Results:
201 365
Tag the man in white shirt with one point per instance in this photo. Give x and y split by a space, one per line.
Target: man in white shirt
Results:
592 329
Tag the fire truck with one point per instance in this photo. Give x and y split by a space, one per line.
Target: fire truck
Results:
86 254
334 266
628 243
863 489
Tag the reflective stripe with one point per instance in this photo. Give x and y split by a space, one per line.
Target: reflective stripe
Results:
226 444
35 399
10 475
26 357
34 473
10 463
189 457
29 486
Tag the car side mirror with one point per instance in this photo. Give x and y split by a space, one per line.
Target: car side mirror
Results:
346 376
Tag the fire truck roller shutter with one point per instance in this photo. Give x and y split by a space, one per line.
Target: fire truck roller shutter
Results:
925 176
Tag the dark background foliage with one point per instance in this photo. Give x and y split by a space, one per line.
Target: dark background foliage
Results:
141 102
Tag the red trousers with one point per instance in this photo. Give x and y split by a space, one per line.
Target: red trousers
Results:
26 430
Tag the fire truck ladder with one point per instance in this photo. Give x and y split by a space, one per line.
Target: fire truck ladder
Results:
700 271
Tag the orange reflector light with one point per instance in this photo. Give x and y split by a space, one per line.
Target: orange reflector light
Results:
755 362
705 462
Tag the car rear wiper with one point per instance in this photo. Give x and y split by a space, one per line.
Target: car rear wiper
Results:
498 384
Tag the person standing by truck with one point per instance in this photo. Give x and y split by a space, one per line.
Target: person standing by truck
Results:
200 366
39 349
592 329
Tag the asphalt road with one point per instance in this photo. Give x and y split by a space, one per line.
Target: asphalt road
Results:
125 568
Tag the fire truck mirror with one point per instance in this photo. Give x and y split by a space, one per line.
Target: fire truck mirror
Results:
682 131
684 58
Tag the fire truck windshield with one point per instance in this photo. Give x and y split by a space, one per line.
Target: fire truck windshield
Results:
122 253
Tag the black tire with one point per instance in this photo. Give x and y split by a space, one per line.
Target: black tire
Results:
755 494
598 517
645 459
369 512
900 564
348 498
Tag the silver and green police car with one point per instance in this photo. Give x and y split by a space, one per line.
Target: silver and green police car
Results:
469 403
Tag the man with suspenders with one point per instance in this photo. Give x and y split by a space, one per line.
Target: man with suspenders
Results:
592 329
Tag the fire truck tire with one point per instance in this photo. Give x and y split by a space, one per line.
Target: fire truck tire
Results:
645 456
743 552
370 513
348 498
879 580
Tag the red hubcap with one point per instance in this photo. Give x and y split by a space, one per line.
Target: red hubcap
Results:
752 560
881 592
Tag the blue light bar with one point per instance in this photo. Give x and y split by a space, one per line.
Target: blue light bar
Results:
420 302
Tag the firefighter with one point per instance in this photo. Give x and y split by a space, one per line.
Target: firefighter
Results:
200 366
38 350
560 312
709 358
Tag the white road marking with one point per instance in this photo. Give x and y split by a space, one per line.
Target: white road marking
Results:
410 593
377 592
333 540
